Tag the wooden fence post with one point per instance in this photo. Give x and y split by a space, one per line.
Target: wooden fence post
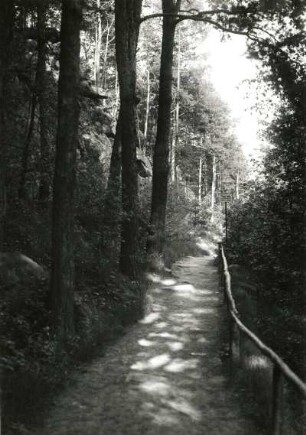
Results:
231 336
238 344
220 263
226 222
277 400
221 271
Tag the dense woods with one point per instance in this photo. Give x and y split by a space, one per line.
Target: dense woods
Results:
117 153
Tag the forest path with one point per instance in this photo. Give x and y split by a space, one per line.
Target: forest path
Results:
165 376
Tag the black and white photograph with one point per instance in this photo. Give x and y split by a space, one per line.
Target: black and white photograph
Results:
153 217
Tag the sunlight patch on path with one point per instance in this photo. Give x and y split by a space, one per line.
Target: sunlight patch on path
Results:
152 363
150 318
164 376
180 365
145 343
175 346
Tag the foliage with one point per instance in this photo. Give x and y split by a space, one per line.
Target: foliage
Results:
267 235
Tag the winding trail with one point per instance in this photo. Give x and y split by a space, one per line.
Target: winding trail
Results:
165 376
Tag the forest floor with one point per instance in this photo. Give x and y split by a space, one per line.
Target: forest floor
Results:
165 375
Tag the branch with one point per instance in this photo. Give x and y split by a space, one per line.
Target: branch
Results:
220 26
88 92
212 12
266 32
195 14
158 15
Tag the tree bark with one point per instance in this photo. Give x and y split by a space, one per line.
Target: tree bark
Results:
161 150
213 187
22 192
147 105
44 185
200 180
38 98
63 270
237 185
177 111
6 25
127 19
97 75
109 26
115 110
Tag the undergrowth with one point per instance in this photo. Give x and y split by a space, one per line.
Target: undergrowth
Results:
32 359
34 365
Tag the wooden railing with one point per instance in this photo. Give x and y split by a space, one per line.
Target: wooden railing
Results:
280 368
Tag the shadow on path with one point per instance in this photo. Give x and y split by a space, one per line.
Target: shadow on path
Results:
165 375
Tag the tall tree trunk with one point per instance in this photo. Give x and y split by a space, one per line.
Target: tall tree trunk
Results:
22 192
172 152
147 105
161 150
63 270
117 99
200 180
127 19
237 185
44 185
206 172
98 47
213 187
177 111
6 25
109 26
38 97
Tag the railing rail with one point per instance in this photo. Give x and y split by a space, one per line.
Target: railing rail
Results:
280 368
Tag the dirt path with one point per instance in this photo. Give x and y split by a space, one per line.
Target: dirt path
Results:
165 376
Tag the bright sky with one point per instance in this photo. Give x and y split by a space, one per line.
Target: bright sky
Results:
230 67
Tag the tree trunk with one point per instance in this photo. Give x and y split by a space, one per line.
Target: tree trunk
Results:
117 102
161 150
237 185
109 26
200 181
63 270
6 25
22 191
127 18
44 186
177 111
98 47
39 96
213 187
147 105
172 152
